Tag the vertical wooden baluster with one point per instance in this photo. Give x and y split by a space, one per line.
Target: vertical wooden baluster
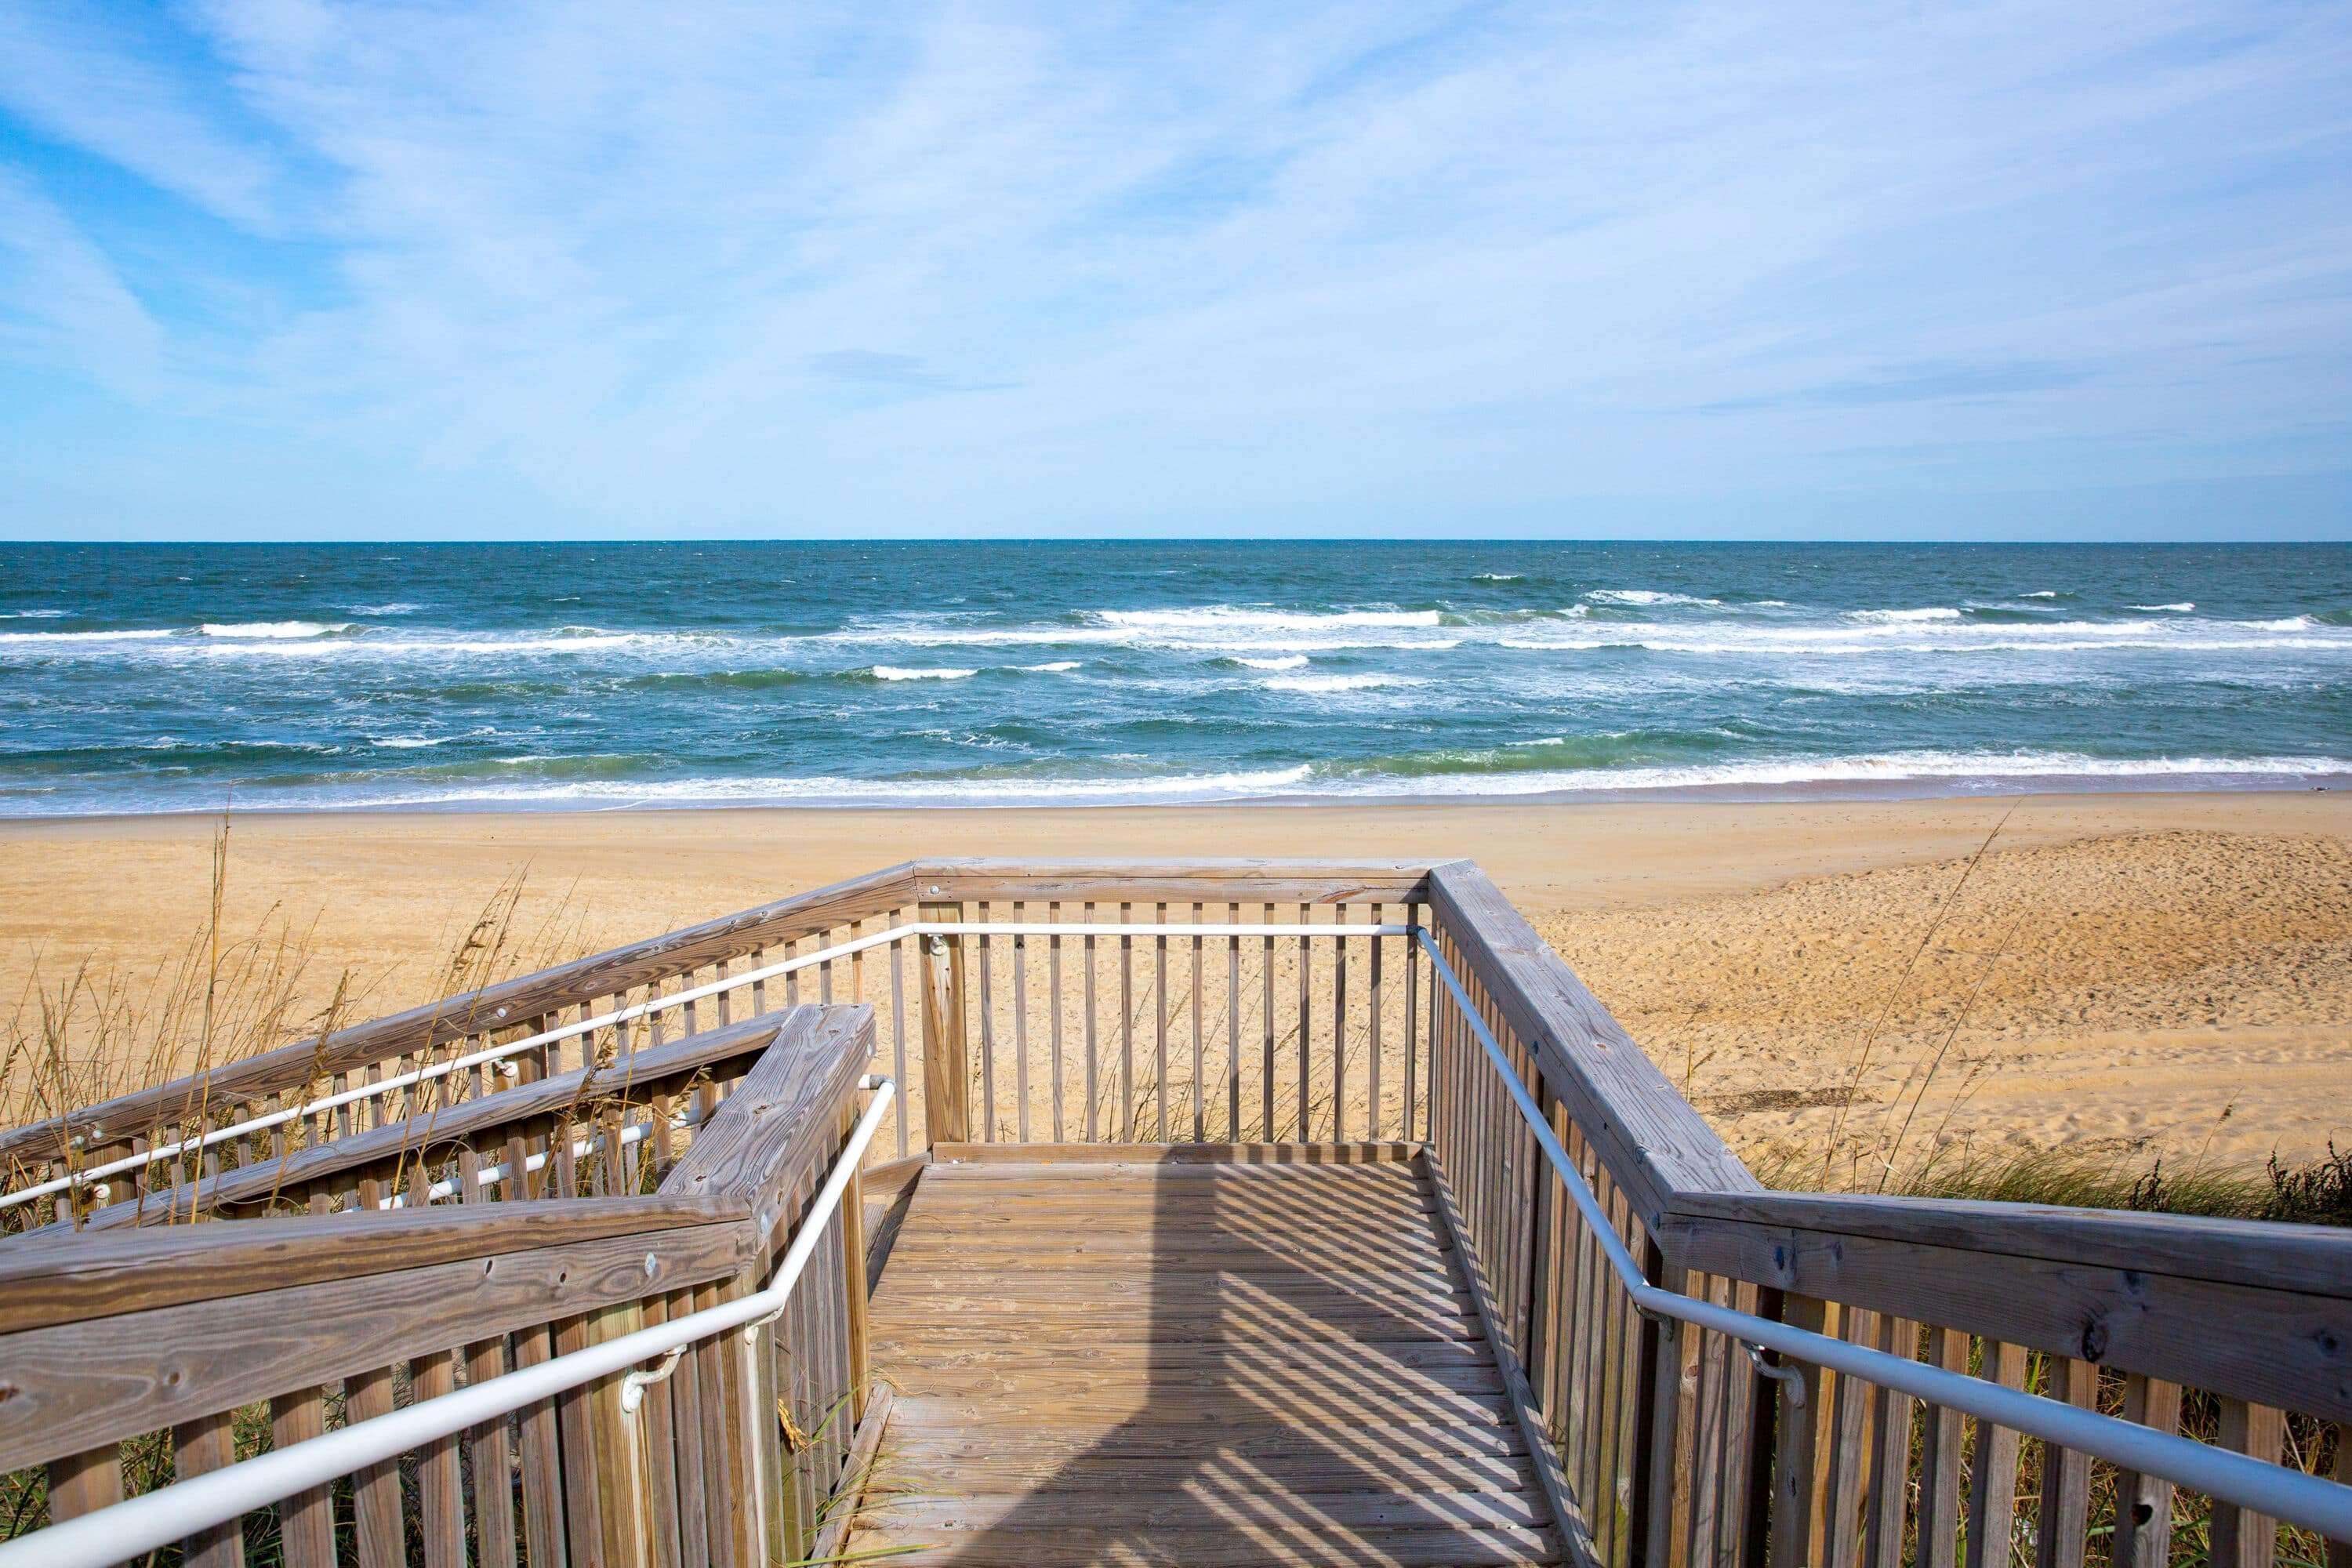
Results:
2144 1503
1126 1029
857 962
306 1520
946 1063
1849 1443
899 1041
725 999
208 1443
375 1489
441 1488
684 1391
1094 1093
1699 1520
1412 1019
987 1032
1054 1029
1305 1032
2340 1553
1940 1460
758 961
2243 1538
1661 1397
2065 1515
1992 1478
85 1482
1200 1096
1021 1020
1890 1459
653 1432
1160 1012
793 951
1340 916
1266 1086
1373 996
486 1450
1233 1028
584 1483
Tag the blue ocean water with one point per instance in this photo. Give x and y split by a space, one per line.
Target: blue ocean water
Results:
137 678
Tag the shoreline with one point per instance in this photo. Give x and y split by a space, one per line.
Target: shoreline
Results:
1828 792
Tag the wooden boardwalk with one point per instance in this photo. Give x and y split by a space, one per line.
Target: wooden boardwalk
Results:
1197 1364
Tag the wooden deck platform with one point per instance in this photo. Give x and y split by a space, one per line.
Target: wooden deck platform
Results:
1206 1364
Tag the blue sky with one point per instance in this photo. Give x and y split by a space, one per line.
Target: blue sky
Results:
281 269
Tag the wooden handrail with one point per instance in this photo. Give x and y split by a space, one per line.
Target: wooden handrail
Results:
1654 1144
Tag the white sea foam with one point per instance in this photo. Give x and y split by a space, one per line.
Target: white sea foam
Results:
2041 593
1216 617
273 629
1932 613
1890 770
409 743
1288 661
893 672
1324 684
1059 666
395 608
1645 596
37 640
33 614
1497 576
2181 609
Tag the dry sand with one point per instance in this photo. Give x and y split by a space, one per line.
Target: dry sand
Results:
2121 969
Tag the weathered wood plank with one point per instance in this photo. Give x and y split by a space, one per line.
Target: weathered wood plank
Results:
1654 1144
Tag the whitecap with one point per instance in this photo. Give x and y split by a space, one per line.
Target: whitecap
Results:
1324 684
1932 613
2182 608
2041 593
273 629
893 672
33 614
1499 576
395 608
1207 617
39 638
1059 666
1645 596
1288 661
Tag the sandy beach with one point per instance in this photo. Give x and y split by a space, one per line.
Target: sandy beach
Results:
2113 976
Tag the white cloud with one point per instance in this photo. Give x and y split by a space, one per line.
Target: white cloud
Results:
62 305
783 264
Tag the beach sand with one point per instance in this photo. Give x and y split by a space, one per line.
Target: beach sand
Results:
2114 973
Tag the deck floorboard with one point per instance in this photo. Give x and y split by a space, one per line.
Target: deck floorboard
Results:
1106 1364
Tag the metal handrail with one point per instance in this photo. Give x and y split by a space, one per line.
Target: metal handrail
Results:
2275 1491
92 1175
170 1514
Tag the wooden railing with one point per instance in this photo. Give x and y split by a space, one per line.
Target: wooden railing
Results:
1252 1003
148 1353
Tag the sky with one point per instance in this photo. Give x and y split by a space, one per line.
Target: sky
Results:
281 269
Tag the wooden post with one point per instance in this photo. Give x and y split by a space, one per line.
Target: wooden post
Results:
1796 1472
947 1101
623 1455
2144 1503
2240 1539
208 1443
853 1267
1662 1344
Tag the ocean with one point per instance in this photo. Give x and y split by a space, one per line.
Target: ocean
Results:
148 678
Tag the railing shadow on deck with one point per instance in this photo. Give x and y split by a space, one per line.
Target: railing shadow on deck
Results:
1667 1444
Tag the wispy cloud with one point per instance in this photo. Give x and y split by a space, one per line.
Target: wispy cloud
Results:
721 265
